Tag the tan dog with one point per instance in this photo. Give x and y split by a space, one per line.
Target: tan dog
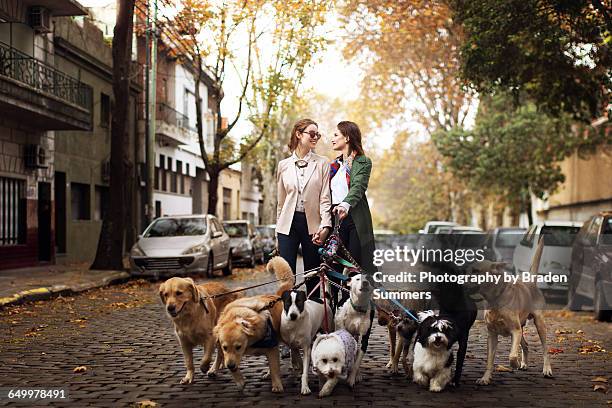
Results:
509 308
245 328
194 317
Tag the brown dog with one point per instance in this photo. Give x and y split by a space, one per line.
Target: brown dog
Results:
194 317
250 326
509 306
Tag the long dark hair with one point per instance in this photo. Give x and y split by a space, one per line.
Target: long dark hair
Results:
352 132
299 126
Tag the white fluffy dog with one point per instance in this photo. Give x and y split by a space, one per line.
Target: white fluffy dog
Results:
300 321
356 315
333 357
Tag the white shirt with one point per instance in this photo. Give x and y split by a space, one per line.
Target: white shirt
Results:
340 188
300 174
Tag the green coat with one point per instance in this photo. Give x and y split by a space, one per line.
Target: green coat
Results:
360 210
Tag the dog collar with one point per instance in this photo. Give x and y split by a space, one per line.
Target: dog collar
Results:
269 340
359 308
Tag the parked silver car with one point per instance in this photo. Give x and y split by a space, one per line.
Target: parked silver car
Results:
180 245
245 242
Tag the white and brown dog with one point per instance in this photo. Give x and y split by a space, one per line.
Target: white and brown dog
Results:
509 306
194 315
301 319
251 326
356 315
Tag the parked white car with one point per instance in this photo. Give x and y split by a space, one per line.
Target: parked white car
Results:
556 256
432 226
184 244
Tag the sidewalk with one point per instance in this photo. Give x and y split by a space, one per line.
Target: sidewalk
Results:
44 282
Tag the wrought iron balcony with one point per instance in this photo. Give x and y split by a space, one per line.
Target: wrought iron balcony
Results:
171 116
43 78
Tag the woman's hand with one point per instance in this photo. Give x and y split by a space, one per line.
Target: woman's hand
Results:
340 211
320 236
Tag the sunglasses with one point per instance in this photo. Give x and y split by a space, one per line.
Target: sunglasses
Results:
313 134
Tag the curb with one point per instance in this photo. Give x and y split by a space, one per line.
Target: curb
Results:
45 293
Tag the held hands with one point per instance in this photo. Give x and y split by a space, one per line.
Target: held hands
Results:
341 212
320 236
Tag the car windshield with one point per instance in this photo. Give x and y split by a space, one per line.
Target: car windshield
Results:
509 238
266 232
606 232
176 227
558 235
236 230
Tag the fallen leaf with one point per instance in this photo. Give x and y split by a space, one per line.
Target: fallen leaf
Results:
563 331
79 369
554 351
561 339
145 404
600 379
503 369
579 332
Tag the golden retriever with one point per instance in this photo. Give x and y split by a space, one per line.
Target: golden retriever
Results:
194 317
244 329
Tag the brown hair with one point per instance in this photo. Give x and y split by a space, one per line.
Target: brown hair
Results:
299 126
352 132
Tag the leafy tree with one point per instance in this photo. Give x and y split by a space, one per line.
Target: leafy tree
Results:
214 36
557 52
109 254
409 186
514 151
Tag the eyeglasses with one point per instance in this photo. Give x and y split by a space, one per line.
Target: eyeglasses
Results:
313 135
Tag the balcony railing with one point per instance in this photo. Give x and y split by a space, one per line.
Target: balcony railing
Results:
171 116
42 77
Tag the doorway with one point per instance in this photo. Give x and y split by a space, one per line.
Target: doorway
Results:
44 222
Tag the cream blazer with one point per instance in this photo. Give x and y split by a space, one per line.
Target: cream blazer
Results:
316 192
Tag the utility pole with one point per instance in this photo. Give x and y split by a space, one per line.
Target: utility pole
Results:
150 101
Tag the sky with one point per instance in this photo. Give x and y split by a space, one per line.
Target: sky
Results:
332 76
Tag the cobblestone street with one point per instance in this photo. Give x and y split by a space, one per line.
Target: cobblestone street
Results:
123 338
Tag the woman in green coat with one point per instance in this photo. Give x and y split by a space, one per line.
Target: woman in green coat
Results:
349 176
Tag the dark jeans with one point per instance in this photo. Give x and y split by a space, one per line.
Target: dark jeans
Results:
288 248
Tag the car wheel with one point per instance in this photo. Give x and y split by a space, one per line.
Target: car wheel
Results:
228 268
210 267
600 312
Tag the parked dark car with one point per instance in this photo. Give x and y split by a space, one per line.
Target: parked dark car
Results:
501 242
590 282
245 243
267 234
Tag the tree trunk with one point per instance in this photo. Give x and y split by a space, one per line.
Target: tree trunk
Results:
109 254
213 188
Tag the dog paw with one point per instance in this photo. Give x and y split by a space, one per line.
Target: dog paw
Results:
351 381
435 388
187 379
266 375
515 362
305 390
205 368
547 372
277 387
389 364
484 380
212 373
523 366
394 370
421 380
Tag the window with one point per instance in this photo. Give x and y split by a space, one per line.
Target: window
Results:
101 203
227 203
156 178
12 211
173 182
104 110
158 209
79 201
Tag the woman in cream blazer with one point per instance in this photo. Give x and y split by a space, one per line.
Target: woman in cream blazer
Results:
304 201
